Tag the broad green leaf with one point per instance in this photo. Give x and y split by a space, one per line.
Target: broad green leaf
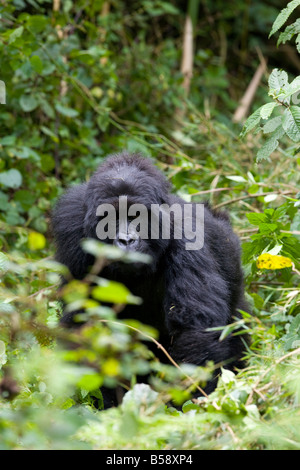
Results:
267 109
28 103
6 307
37 23
265 151
90 382
49 132
289 32
9 140
251 122
270 144
4 201
47 108
47 163
103 250
11 178
75 290
36 63
141 395
274 251
26 152
295 111
4 262
15 34
291 123
272 124
278 80
238 179
25 198
292 338
256 219
270 197
267 228
283 16
3 357
68 112
115 292
289 90
103 121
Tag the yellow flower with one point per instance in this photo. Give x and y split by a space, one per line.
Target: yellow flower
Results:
268 261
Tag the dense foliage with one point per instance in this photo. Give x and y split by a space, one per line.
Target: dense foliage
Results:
84 79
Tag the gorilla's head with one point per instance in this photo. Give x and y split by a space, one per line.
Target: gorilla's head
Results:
118 202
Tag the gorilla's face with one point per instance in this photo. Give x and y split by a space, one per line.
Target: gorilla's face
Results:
119 202
132 228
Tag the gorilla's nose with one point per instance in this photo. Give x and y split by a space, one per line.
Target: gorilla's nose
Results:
126 241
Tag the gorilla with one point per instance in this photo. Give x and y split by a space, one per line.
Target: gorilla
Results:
186 290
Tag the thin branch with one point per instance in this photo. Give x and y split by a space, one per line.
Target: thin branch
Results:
249 94
241 198
187 54
213 190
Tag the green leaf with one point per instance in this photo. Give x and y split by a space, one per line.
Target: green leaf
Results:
291 123
15 34
270 144
267 109
267 228
28 103
4 262
283 16
278 80
37 23
11 178
251 122
103 250
256 219
298 42
90 382
49 132
271 197
295 111
292 339
68 112
114 292
272 124
103 121
289 90
289 32
36 63
140 396
25 198
3 357
238 179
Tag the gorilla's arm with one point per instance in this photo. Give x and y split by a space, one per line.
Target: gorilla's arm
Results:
199 296
68 229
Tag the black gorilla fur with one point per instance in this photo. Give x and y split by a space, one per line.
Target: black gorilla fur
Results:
184 292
